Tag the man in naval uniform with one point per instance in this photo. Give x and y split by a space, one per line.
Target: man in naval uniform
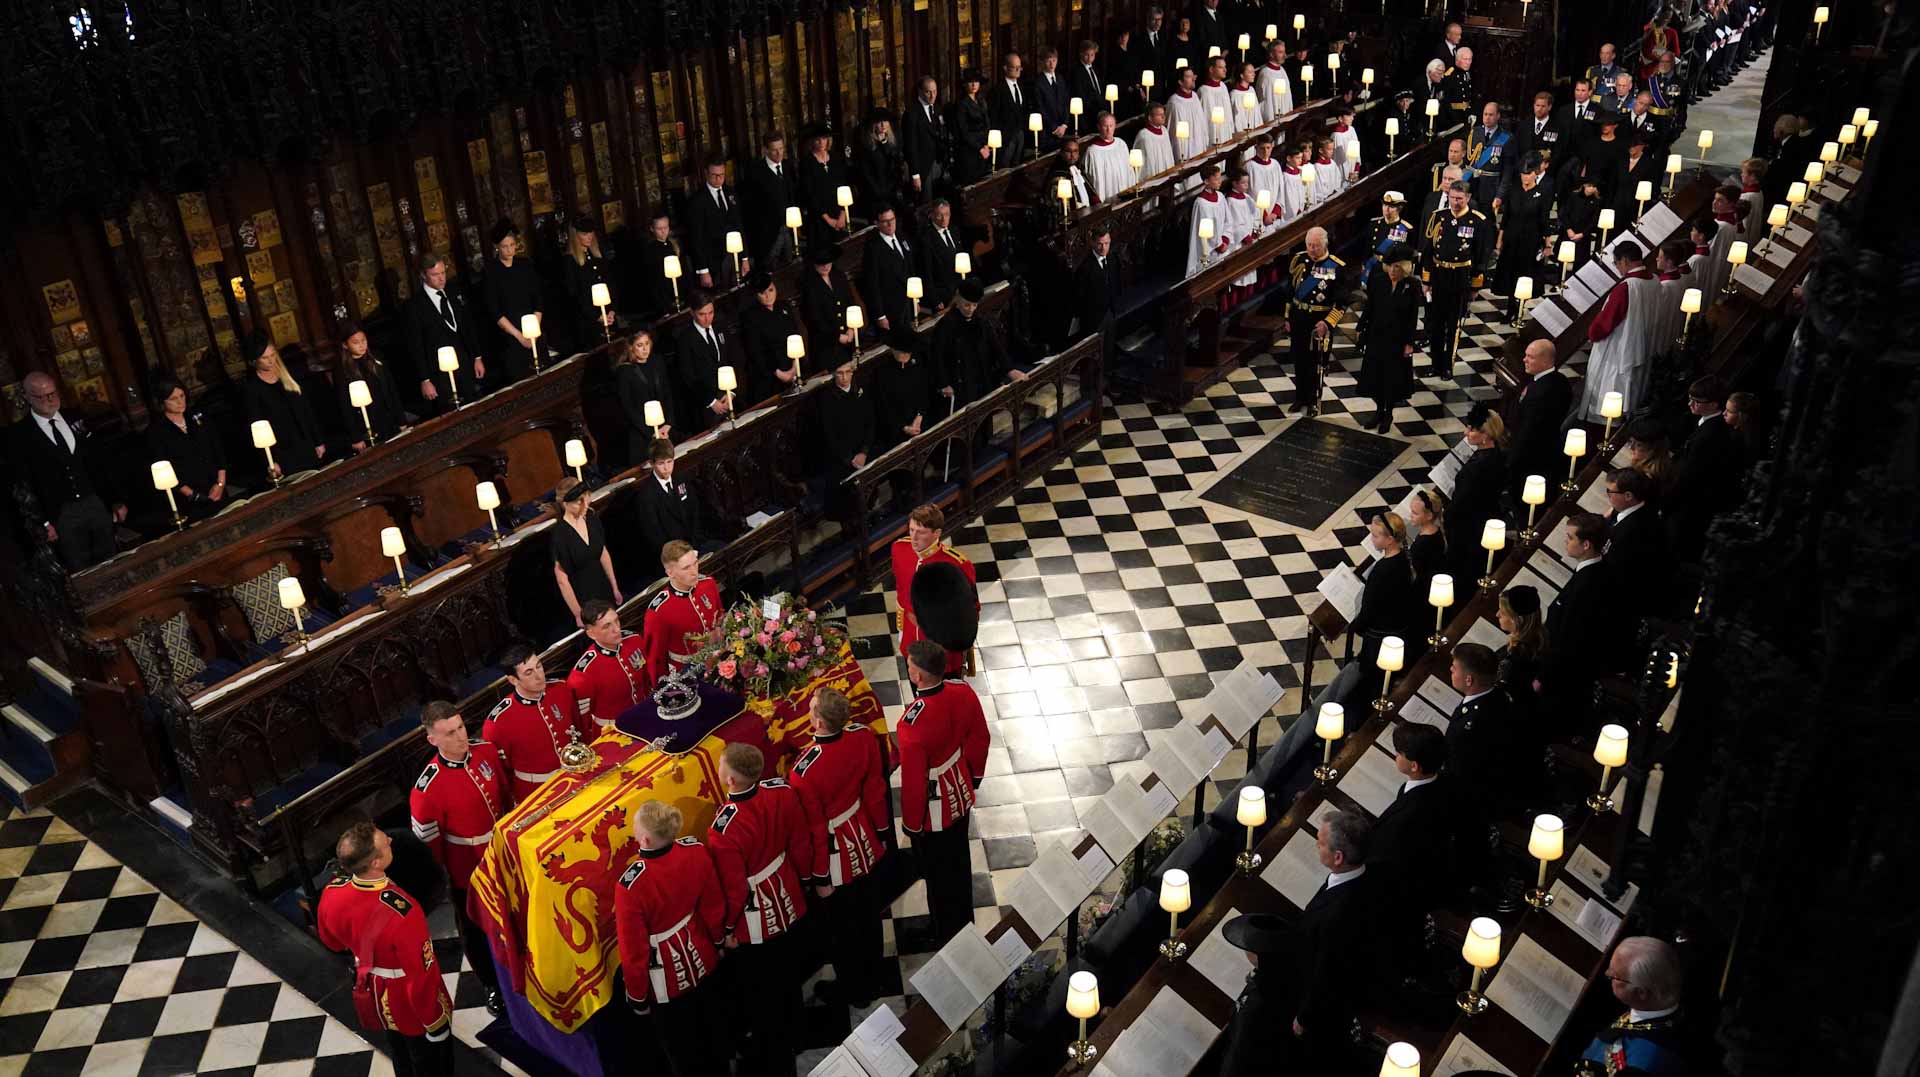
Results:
1646 1041
1316 302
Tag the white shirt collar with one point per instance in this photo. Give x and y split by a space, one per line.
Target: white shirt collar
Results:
1415 783
1578 565
1336 878
1626 512
1649 1015
1477 695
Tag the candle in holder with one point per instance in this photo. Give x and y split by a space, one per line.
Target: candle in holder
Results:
1205 228
1063 190
487 496
856 321
1439 596
1250 812
1533 494
1776 220
1861 116
1820 15
1796 193
1248 101
1433 115
1112 93
1642 194
1829 152
1212 51
1075 106
1402 1060
916 291
726 383
1392 128
1674 165
962 263
360 395
264 440
1390 660
1481 950
1033 128
1606 224
1612 406
735 246
603 299
1136 160
1273 32
393 545
165 480
1329 725
1610 751
796 351
1146 79
1493 539
654 416
1263 200
1216 116
1181 131
293 599
449 361
1176 897
1575 448
530 328
1083 1001
1689 306
1245 42
1848 133
1815 173
1306 79
1546 844
1736 257
993 144
793 225
576 451
1333 64
1867 131
1522 292
1565 258
1366 77
1299 23
670 269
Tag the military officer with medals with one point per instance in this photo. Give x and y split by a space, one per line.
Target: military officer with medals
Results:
1316 303
1647 1040
397 984
536 720
943 755
1454 246
843 777
923 545
1456 93
459 796
669 916
1486 155
765 852
681 616
611 674
1386 231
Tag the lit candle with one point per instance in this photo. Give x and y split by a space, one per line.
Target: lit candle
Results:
293 599
1217 116
1439 596
1263 200
1523 288
1829 152
1333 63
1402 1060
1248 102
1493 539
1083 1001
360 395
1819 20
1245 43
1860 117
1273 31
1606 223
530 328
1706 140
1610 751
1033 127
796 351
915 291
487 496
1366 76
1546 845
1689 306
654 416
962 263
993 144
1481 950
576 451
1815 172
1306 75
726 383
1112 92
1848 133
1206 228
735 246
1612 406
1777 216
1737 253
1136 161
1181 132
670 268
1674 164
1063 190
1299 23
1146 79
603 299
856 321
393 545
1075 106
843 196
1329 726
1796 193
1643 193
793 225
1391 659
1176 897
1576 447
1212 51
165 480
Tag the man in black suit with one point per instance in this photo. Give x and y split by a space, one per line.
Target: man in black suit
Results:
1050 95
1636 546
1153 44
938 244
1579 124
846 436
1581 627
890 260
1209 31
1085 81
667 509
1009 104
1449 45
433 317
1707 480
1538 416
766 190
700 350
55 458
1096 287
1487 744
1647 126
1337 959
1537 132
926 141
1413 838
712 212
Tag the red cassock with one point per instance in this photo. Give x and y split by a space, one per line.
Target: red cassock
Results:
943 753
765 850
843 778
397 981
668 911
606 683
530 734
454 806
677 625
906 560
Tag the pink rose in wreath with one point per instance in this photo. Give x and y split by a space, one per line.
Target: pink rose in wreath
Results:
727 667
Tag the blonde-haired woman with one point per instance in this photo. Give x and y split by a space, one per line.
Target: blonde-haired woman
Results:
1426 525
272 394
582 268
582 564
1477 493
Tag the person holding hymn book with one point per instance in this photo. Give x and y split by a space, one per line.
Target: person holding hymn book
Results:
1186 107
384 415
969 120
1478 491
1427 526
1108 166
1545 398
1650 1038
1623 335
1389 606
1393 313
638 379
512 289
1155 143
272 394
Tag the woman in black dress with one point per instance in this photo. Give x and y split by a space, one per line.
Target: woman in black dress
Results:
582 565
187 441
970 122
1476 494
384 415
271 394
1524 233
1389 606
1427 523
513 292
1526 649
1580 220
638 377
582 268
822 173
1393 311
1606 161
764 329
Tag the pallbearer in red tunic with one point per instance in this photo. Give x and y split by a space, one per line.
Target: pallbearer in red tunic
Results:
534 722
843 779
765 849
681 615
611 674
397 987
923 545
454 804
669 914
943 755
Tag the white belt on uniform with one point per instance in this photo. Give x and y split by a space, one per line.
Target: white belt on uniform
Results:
659 937
683 659
478 839
840 820
946 766
767 872
387 973
535 778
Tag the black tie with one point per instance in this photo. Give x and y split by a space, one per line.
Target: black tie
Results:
945 239
60 437
446 310
1016 91
720 198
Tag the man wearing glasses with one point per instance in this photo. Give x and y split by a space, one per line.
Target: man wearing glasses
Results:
1644 973
51 454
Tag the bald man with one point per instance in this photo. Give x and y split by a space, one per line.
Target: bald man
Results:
54 456
1538 416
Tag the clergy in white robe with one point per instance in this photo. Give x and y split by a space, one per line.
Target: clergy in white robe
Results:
1264 173
1107 167
1186 112
1293 193
1346 143
1243 222
1623 335
1276 90
1155 143
1208 205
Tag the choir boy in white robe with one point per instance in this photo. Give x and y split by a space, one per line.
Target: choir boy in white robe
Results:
1107 167
1346 143
1211 205
1155 143
1623 334
1243 222
1215 95
1329 178
1292 196
1243 94
1264 173
1186 108
1276 90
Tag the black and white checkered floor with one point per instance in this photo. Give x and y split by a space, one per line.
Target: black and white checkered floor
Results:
1110 592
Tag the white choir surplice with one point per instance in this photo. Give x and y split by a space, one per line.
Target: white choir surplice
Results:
1328 180
1717 269
1346 149
1244 118
1667 324
1156 150
1107 168
1188 107
1211 205
1698 277
1243 223
1267 177
1621 363
1214 95
1276 92
1292 196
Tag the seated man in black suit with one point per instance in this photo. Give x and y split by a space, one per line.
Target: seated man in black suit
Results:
1636 548
668 509
1538 416
54 457
1581 627
1413 838
433 317
700 350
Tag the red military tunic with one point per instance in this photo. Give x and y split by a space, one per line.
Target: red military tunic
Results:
454 806
677 625
393 963
906 560
607 682
530 734
843 777
765 851
943 754
668 911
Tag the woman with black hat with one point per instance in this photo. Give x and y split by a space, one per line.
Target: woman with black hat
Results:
970 121
1393 312
582 564
1477 493
272 394
513 292
764 329
582 268
1261 1030
880 165
383 416
822 173
824 296
1526 650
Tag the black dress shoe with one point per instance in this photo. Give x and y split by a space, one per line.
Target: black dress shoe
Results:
496 1006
